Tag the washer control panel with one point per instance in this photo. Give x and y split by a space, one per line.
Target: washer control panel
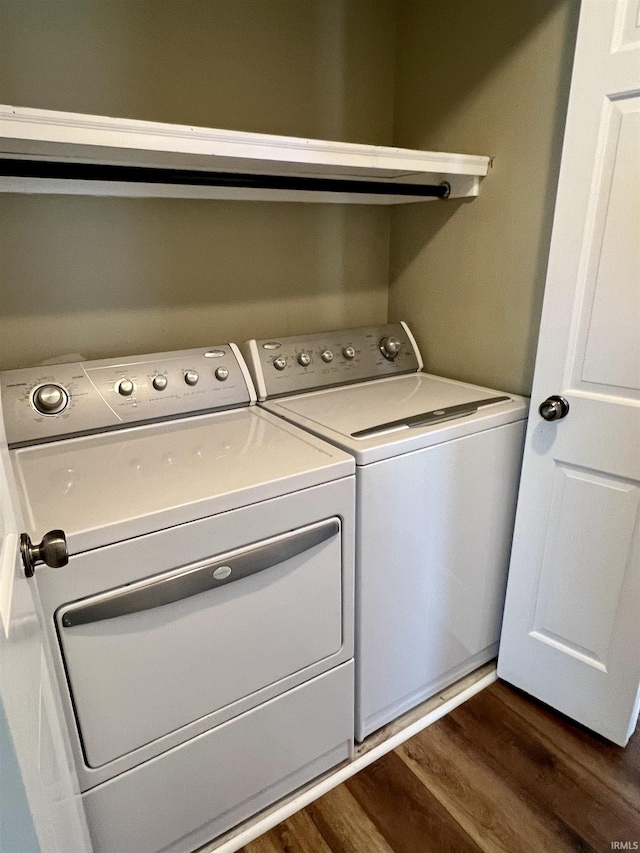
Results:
295 364
55 401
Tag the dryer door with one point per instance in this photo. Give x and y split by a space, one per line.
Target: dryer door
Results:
146 658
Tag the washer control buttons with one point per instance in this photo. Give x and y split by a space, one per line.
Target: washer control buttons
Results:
191 377
159 382
390 347
125 387
327 356
222 373
280 362
50 399
304 359
348 353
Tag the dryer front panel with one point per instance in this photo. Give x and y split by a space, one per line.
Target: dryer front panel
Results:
147 658
154 642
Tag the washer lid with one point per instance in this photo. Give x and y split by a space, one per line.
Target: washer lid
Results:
379 419
105 488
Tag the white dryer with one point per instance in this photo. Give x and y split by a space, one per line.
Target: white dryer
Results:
201 623
438 464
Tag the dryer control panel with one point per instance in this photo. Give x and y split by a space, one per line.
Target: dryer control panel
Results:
60 400
308 362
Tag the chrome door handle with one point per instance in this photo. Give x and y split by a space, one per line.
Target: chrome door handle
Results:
554 408
195 579
52 551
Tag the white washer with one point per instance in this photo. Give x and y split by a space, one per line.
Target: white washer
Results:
438 464
202 630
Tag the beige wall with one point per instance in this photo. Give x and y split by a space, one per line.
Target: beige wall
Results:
110 276
481 78
113 276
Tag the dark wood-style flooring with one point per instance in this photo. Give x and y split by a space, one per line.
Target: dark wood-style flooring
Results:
499 773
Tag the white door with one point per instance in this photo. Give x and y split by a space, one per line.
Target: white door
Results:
571 633
39 807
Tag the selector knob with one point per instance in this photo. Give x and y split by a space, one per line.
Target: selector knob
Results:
50 399
222 373
191 377
349 353
280 362
159 382
126 387
304 359
327 356
390 347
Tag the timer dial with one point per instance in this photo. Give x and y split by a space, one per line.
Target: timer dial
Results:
159 382
126 387
50 399
390 347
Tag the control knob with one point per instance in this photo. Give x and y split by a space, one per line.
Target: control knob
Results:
304 359
327 356
50 399
125 387
222 374
280 362
390 347
191 377
349 353
159 382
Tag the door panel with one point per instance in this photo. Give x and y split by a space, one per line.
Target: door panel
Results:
609 353
40 808
626 32
571 631
575 617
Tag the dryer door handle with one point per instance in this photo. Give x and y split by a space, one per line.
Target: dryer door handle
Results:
197 578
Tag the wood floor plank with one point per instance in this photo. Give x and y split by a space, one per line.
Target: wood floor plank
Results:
620 767
408 816
548 779
267 843
297 834
481 797
344 825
